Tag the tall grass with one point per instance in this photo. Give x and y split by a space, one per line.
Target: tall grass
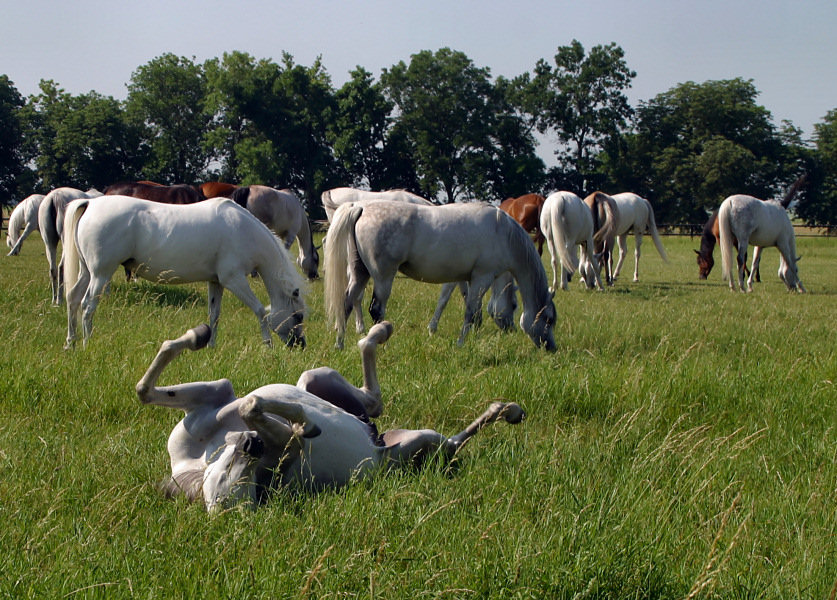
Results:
680 443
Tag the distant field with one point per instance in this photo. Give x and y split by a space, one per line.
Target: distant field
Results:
680 443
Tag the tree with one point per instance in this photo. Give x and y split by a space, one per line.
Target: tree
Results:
581 102
11 140
166 97
696 144
444 107
818 204
80 141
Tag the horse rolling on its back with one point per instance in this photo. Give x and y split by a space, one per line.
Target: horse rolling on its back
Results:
51 226
166 194
214 241
283 214
24 218
526 210
748 220
567 223
455 242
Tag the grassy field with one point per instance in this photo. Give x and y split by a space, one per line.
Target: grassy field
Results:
680 443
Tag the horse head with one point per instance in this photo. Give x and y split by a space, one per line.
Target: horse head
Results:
230 477
287 322
705 263
539 326
310 263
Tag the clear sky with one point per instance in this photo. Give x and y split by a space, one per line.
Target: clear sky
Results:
787 47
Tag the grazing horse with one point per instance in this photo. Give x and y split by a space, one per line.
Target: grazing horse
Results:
471 242
51 226
605 220
635 214
567 223
333 198
311 436
215 241
217 189
24 217
283 213
763 223
708 238
526 210
148 190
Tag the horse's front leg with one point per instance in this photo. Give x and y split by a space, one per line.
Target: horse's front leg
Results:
742 264
444 298
622 242
637 252
754 269
473 303
238 285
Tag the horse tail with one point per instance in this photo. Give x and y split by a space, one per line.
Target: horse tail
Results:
336 261
16 220
72 256
655 234
608 228
558 219
794 189
725 231
328 204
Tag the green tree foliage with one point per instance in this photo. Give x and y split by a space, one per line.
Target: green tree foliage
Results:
80 141
11 140
581 102
818 205
446 113
166 97
696 144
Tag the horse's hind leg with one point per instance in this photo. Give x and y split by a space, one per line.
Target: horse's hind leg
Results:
755 268
637 252
473 305
622 242
406 447
74 299
742 263
444 298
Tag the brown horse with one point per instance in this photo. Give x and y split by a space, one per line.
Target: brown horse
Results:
526 210
217 189
166 194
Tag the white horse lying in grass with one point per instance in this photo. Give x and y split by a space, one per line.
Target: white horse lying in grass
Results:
216 241
23 218
567 223
763 223
51 226
313 435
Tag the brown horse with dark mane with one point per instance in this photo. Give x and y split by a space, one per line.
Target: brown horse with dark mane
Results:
526 210
166 194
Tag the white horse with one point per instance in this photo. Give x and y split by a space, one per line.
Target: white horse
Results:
567 223
749 220
635 213
333 198
51 226
23 218
456 242
284 214
215 241
605 221
313 435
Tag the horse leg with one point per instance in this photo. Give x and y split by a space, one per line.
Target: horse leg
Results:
405 447
444 297
74 299
473 303
358 278
238 285
30 227
381 291
754 268
215 294
742 263
638 237
89 303
51 254
622 242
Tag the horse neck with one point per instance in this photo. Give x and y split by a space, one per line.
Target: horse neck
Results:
529 273
304 237
279 274
16 222
707 242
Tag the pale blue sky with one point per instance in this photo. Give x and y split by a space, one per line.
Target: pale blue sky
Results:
788 48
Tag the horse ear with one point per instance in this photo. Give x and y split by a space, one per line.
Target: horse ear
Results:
696 252
798 258
296 293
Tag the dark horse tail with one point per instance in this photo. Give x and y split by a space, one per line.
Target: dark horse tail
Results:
241 195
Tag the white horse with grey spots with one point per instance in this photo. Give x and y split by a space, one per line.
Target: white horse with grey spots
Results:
310 436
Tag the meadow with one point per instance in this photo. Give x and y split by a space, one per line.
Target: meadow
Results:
680 443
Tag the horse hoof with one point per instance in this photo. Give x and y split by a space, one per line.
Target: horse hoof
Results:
200 336
513 413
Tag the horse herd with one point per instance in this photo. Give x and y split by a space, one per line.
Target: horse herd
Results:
248 446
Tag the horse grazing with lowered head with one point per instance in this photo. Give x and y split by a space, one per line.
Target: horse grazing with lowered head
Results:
333 198
605 220
763 223
526 210
283 214
148 190
567 223
22 222
471 242
500 307
311 436
51 226
215 241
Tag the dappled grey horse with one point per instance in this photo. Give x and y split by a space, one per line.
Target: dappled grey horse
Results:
309 436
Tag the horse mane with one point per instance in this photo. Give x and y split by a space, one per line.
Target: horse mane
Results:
188 484
525 251
241 195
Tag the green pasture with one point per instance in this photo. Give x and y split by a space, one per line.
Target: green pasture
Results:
681 443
